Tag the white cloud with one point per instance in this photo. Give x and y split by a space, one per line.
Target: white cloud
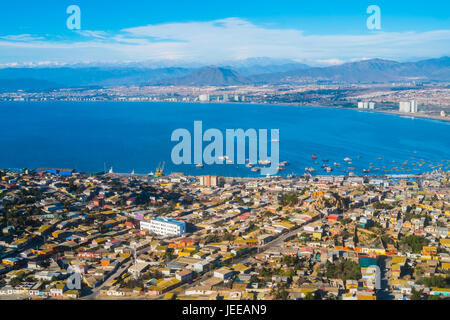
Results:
225 39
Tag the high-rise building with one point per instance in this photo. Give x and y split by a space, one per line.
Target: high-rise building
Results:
203 98
366 105
208 181
413 106
405 107
408 106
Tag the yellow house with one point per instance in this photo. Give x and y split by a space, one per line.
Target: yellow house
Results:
430 251
445 266
445 242
317 235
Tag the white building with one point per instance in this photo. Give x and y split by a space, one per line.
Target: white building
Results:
203 98
404 107
366 105
408 106
413 106
164 227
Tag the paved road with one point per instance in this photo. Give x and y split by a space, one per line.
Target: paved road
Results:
279 240
275 242
96 291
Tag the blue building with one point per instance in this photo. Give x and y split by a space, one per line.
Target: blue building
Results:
56 171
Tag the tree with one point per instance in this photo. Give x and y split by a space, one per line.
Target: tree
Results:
310 296
289 199
436 281
414 242
282 295
417 295
344 269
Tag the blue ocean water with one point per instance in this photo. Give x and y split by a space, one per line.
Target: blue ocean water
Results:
88 136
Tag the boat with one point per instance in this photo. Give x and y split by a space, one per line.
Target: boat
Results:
249 165
281 169
284 163
275 140
328 169
199 165
347 159
221 158
310 169
314 157
255 169
264 162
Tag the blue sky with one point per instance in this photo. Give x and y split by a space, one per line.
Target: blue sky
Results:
315 32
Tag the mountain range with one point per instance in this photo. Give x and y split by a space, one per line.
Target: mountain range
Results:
256 71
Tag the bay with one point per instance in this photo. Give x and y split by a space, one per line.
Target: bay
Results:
88 136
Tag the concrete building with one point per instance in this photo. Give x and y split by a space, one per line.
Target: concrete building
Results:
164 227
203 98
408 106
366 105
208 181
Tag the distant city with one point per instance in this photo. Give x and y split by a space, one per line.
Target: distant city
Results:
427 96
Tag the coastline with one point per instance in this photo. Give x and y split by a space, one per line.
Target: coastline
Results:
388 112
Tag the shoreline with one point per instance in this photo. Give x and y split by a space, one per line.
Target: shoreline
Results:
143 175
387 112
